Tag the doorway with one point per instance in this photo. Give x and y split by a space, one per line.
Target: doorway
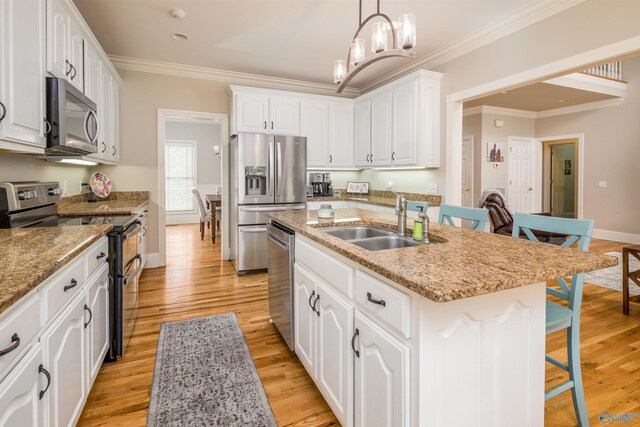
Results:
467 171
560 177
521 158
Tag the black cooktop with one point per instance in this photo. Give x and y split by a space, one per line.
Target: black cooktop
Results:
120 223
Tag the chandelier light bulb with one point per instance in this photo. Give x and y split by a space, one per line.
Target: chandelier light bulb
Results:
407 31
357 51
379 37
339 70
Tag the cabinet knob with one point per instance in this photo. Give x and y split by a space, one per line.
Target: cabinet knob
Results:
4 111
271 125
69 67
265 124
330 158
393 156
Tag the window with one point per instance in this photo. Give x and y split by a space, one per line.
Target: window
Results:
180 175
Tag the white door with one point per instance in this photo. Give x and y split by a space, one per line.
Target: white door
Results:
521 174
362 135
314 124
284 115
382 377
404 137
97 325
251 112
22 91
305 319
20 404
65 356
335 357
76 55
381 129
57 39
340 135
467 171
557 182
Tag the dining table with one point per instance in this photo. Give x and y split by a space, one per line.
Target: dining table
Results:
214 201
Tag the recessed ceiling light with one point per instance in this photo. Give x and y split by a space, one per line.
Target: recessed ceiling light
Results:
177 13
180 36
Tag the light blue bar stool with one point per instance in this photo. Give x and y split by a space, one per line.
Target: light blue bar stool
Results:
477 216
558 316
417 206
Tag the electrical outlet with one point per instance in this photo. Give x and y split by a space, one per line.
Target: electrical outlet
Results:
65 190
85 187
432 188
389 185
602 184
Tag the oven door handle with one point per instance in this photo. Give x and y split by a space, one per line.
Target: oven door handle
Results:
135 273
134 230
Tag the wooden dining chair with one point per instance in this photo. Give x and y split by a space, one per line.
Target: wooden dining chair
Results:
561 317
477 216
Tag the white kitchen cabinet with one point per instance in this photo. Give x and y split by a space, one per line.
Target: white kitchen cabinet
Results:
284 115
381 377
334 366
109 118
304 319
381 128
405 117
93 89
20 403
314 124
97 325
115 121
64 346
251 112
22 90
58 39
76 55
340 134
362 132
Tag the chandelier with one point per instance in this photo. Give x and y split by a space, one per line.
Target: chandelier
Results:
403 36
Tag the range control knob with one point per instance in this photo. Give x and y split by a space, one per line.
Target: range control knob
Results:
54 191
25 195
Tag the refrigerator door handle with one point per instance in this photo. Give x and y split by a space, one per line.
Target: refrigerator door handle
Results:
273 208
269 190
279 166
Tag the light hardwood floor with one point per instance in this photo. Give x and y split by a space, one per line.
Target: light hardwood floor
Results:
196 283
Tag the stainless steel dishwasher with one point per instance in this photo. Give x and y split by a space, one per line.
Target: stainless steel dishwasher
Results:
280 256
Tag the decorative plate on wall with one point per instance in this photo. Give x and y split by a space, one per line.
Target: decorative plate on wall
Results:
100 185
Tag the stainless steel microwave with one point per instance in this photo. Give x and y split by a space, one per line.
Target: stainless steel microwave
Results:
72 120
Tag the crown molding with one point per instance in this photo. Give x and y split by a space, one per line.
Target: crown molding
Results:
528 15
590 83
527 114
230 77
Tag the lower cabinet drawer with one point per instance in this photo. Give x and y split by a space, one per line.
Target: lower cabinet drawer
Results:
97 256
383 302
332 271
17 330
63 287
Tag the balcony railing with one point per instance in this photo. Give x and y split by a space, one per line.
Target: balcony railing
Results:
612 70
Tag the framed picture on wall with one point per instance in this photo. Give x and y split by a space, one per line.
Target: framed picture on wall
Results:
495 152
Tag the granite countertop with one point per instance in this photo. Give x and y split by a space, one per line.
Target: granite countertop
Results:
31 255
380 198
465 264
121 203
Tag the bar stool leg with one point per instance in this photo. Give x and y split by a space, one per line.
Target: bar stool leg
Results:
625 282
575 374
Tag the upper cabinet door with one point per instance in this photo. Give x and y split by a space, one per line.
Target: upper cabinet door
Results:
251 112
314 125
57 39
363 133
405 107
340 134
284 115
382 377
115 120
105 115
22 90
76 55
381 129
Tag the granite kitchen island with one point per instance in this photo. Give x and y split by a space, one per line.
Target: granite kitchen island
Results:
444 334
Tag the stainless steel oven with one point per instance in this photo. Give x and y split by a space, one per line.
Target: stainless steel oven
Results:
72 120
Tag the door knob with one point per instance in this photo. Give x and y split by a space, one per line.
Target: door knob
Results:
530 188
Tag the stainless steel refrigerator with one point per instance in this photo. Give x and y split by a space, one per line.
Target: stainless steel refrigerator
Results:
268 173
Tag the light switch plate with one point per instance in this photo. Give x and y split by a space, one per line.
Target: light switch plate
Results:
432 188
602 184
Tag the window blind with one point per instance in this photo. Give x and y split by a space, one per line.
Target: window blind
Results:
180 175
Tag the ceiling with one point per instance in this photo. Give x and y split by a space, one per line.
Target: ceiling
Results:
294 39
539 97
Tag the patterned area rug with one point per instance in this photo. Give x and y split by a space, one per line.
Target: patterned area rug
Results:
612 277
205 376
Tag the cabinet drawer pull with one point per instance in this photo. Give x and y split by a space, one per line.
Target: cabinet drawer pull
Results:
86 307
113 151
314 305
4 112
353 342
311 296
376 301
330 158
102 255
69 70
367 158
75 72
15 339
371 158
46 373
271 125
104 147
393 156
73 284
47 126
265 124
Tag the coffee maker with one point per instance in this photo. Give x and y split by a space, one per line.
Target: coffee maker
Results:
321 184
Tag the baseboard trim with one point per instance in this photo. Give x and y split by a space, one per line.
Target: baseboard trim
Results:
617 236
154 261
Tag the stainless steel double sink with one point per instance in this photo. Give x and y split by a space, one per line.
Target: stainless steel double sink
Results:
371 238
